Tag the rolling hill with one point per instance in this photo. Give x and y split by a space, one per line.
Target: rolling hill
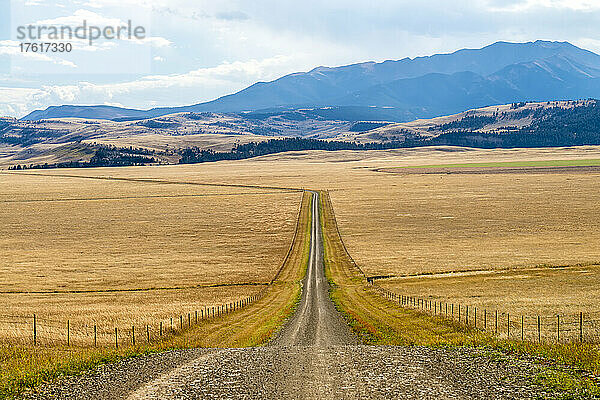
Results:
198 137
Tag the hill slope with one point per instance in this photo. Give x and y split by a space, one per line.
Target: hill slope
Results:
212 136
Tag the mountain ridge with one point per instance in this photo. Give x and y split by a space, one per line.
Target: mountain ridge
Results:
357 84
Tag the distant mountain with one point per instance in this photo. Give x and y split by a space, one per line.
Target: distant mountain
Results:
439 94
406 89
89 112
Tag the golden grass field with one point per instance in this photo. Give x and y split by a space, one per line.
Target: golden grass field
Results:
117 253
454 222
511 227
378 318
398 223
119 234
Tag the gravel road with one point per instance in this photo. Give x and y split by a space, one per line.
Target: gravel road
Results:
314 356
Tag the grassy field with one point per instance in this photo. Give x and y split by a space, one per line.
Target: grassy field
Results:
125 245
537 163
442 223
378 320
412 223
117 253
530 291
509 229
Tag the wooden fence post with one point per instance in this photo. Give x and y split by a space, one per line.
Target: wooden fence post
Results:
496 320
508 325
34 330
95 336
558 328
581 327
116 339
459 312
539 329
522 328
485 319
196 317
181 322
133 335
68 333
147 333
475 317
160 329
467 316
189 320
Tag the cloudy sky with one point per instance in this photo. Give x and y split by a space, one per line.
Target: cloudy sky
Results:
196 50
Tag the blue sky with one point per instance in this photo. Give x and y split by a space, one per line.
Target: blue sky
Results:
198 50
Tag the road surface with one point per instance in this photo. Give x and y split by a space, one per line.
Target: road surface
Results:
314 356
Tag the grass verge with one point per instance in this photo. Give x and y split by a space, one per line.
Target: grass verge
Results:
570 368
25 367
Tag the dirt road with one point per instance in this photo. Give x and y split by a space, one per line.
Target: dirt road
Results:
314 356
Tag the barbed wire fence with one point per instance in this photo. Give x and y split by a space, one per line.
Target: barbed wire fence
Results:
558 328
41 331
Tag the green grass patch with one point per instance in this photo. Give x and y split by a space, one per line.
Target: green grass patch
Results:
515 164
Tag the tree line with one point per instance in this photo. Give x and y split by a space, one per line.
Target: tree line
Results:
104 156
272 146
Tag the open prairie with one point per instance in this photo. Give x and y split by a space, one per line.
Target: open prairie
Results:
439 210
120 252
176 229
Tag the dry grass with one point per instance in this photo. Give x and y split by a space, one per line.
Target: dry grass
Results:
529 291
441 223
118 253
504 224
381 321
138 235
108 310
412 223
392 223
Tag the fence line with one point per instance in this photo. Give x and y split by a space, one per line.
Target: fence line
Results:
51 332
559 328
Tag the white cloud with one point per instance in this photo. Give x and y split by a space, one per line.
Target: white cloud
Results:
222 78
77 18
91 18
154 41
116 3
527 5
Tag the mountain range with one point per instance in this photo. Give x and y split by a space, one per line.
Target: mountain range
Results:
402 90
